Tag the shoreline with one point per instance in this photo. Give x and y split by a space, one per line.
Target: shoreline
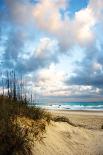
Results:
96 108
77 112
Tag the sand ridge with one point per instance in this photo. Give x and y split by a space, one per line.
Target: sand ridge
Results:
63 139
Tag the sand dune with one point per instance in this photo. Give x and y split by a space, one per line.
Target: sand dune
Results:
63 139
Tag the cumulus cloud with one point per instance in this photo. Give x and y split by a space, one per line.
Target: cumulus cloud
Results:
45 14
50 81
89 72
14 30
77 30
21 31
41 57
51 33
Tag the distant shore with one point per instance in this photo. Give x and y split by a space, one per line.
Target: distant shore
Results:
75 106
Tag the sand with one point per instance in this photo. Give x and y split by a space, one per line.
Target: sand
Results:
62 138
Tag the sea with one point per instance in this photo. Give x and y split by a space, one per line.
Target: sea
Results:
73 106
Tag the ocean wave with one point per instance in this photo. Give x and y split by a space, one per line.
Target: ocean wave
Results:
72 107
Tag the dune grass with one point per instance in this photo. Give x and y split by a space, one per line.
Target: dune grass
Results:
101 126
63 119
20 126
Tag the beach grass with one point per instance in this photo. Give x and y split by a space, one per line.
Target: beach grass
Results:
20 125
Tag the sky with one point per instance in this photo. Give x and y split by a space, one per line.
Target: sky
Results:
57 46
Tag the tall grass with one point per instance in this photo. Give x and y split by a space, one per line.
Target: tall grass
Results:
20 124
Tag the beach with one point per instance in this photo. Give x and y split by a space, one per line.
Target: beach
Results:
83 137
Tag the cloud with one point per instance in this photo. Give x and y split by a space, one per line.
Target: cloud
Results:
68 31
46 15
46 48
89 72
50 82
19 12
46 26
45 53
15 33
97 8
21 31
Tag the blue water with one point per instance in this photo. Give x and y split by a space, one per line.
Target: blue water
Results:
74 106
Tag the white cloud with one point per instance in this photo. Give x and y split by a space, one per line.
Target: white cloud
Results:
68 31
97 67
50 80
97 7
58 33
46 48
84 21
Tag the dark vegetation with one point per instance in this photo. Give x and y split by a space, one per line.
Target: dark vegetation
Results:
20 124
102 127
63 119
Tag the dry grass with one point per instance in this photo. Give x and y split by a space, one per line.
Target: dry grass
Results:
63 119
102 127
20 125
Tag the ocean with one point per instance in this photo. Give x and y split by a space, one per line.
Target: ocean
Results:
74 106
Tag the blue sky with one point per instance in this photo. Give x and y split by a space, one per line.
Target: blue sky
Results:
56 45
76 5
